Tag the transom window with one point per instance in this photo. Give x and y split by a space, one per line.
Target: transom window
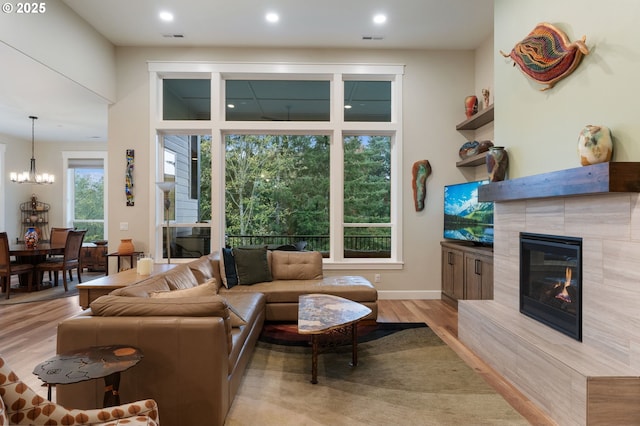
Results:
272 158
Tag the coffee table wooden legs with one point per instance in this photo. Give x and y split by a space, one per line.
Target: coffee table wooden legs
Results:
354 344
314 358
111 390
314 352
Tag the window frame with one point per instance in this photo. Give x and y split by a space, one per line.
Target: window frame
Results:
336 128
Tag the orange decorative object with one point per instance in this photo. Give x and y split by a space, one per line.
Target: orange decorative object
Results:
547 55
125 246
470 106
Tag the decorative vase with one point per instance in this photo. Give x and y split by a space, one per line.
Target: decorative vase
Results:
497 163
125 246
595 145
470 105
31 238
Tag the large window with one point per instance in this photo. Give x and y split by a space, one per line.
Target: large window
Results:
298 155
277 191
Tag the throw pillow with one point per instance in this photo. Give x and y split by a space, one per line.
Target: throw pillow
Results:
228 272
180 277
201 269
252 265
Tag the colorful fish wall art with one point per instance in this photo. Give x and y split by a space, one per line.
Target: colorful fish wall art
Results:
547 55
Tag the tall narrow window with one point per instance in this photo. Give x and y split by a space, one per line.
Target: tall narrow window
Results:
187 158
87 180
367 196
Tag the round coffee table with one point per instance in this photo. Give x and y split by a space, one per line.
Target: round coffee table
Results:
90 363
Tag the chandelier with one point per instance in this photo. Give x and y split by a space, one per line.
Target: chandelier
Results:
32 176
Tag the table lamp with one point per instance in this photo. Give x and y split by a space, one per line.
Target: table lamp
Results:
166 187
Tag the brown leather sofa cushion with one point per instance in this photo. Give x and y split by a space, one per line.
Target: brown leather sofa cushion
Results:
113 306
180 277
292 265
351 287
143 288
202 269
207 289
123 306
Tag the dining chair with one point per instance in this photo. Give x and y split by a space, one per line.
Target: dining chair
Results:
58 237
8 268
70 259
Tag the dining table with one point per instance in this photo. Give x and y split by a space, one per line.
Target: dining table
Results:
33 255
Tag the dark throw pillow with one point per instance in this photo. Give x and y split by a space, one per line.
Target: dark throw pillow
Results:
229 263
252 265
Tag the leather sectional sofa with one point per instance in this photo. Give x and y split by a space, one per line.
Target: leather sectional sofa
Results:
197 335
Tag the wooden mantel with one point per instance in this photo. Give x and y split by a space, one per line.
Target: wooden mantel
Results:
599 178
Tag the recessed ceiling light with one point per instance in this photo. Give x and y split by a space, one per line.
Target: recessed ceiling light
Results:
347 107
272 17
166 16
380 18
231 106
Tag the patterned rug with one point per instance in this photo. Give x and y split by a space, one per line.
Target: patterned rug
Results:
408 376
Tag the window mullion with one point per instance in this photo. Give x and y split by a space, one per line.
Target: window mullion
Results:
336 175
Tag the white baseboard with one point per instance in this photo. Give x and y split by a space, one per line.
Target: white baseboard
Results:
409 294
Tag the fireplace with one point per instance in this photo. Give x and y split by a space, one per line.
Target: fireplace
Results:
551 282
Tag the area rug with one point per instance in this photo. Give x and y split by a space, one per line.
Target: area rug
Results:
22 296
407 377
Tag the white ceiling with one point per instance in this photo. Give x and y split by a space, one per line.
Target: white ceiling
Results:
73 114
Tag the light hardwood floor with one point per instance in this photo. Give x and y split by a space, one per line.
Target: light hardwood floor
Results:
28 336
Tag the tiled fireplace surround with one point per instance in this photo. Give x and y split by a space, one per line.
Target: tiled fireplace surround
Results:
575 383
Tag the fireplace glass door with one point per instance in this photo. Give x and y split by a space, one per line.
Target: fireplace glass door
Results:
550 281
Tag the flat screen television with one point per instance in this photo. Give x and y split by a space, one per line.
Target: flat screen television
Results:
465 218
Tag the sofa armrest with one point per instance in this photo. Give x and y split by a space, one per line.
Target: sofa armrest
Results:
184 366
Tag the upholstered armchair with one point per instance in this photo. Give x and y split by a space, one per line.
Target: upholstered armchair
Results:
20 405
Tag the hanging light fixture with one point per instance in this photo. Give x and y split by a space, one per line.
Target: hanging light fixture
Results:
32 176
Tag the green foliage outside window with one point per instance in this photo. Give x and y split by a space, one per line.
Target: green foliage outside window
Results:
89 203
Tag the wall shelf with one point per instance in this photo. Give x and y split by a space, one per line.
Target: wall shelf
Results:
478 120
599 178
473 161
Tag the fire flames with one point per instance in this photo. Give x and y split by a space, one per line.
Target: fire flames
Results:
564 294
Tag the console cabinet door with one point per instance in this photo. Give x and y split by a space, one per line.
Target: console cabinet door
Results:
478 281
452 273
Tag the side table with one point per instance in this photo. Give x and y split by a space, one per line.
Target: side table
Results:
131 257
90 363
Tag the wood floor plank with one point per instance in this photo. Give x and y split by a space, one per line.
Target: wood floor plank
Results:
28 337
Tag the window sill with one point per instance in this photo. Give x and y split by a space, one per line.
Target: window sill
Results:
351 264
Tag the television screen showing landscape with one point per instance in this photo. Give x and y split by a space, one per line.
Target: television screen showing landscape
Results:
465 218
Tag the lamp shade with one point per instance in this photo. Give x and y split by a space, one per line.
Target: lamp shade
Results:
166 186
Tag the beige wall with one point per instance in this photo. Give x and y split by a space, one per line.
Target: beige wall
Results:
64 43
540 129
435 84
